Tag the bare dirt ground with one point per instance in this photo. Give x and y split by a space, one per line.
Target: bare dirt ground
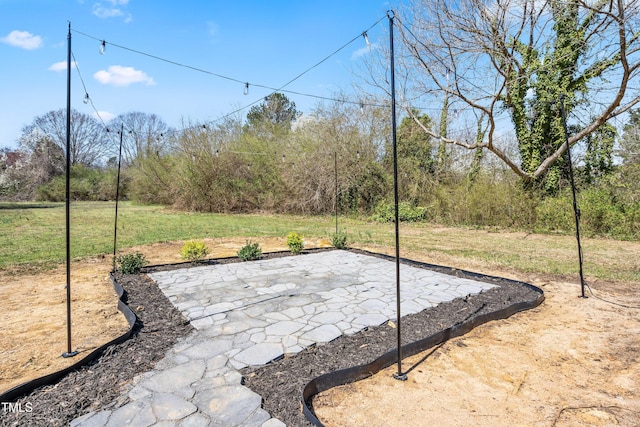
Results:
569 362
33 309
34 321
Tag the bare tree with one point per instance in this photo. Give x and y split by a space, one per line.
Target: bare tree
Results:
144 134
630 141
89 143
512 63
333 157
23 171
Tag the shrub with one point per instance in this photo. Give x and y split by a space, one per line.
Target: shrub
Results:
295 242
602 213
86 184
131 263
194 251
484 203
385 212
339 240
250 251
555 214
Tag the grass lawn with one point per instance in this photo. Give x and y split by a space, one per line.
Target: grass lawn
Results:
32 235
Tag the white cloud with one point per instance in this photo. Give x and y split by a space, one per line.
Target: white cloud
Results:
304 120
22 39
106 12
61 66
109 9
118 75
364 50
104 115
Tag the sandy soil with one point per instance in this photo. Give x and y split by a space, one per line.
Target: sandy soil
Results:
34 318
569 362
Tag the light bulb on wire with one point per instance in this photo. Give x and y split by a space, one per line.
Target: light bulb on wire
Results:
366 38
86 98
246 88
103 46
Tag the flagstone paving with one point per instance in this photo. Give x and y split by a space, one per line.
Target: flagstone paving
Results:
248 314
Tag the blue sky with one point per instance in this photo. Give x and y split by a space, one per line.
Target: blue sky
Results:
261 42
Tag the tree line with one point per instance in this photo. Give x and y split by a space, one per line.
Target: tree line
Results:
305 164
526 63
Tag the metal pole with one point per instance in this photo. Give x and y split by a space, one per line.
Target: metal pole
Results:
335 166
68 353
576 209
391 15
115 225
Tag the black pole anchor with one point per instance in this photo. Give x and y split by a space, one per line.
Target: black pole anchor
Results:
398 375
68 353
115 225
576 208
335 168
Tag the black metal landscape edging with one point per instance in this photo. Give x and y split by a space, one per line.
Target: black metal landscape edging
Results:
323 382
27 387
357 373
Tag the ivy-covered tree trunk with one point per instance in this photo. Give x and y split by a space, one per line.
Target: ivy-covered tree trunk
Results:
442 157
535 91
478 156
514 62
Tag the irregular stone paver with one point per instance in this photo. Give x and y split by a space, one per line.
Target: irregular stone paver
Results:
259 354
171 407
91 419
286 327
196 420
248 314
176 378
137 413
322 334
229 405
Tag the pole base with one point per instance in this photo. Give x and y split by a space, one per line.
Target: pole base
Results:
68 354
400 377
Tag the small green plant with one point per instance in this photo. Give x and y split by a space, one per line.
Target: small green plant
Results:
131 263
194 251
339 240
385 212
295 242
250 251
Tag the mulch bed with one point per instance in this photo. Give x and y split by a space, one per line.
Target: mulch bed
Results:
281 383
99 385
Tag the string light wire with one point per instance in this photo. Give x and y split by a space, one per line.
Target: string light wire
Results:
244 83
87 98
